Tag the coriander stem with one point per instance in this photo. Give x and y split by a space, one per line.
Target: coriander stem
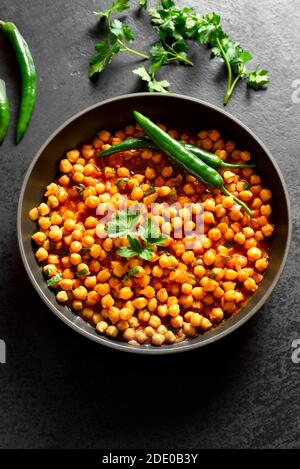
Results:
2 23
229 92
229 70
132 51
182 59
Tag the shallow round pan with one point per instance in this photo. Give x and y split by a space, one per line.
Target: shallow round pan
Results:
174 110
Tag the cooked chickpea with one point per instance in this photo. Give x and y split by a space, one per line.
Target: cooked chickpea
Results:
66 284
157 339
188 257
140 302
62 296
107 301
41 254
261 264
125 293
253 254
250 284
34 214
265 195
80 293
216 315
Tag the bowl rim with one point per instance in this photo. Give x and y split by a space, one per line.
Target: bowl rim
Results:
118 345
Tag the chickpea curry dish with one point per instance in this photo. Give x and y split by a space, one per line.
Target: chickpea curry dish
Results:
154 235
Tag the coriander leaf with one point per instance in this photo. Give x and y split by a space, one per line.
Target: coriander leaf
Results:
117 6
80 188
105 49
173 195
246 186
213 274
85 251
125 251
152 83
134 243
53 280
151 234
151 191
146 253
122 224
122 31
82 272
258 78
209 29
120 183
158 86
143 4
130 273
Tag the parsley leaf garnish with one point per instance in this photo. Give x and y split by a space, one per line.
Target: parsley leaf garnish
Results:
122 31
130 273
151 234
82 272
80 188
257 78
135 249
120 183
143 4
122 224
118 33
54 280
152 83
246 186
117 6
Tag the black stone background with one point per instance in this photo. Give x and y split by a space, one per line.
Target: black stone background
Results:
59 390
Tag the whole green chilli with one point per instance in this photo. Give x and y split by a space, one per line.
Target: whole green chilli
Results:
28 76
210 159
177 152
4 111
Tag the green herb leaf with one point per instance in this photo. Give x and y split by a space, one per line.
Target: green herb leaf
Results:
213 274
117 6
83 272
85 251
125 251
152 83
258 78
54 280
143 4
246 186
173 195
122 31
151 234
146 253
120 183
122 224
130 273
80 188
105 49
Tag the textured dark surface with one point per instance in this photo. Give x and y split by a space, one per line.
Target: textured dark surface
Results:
58 390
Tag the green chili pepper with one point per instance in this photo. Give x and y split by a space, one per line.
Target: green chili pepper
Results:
144 142
4 111
28 75
177 152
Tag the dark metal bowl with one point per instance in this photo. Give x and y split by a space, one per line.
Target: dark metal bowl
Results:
178 111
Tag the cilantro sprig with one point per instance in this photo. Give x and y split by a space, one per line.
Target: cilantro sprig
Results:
141 240
183 24
175 27
118 35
